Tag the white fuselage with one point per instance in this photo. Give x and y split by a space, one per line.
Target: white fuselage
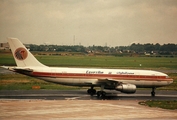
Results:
91 76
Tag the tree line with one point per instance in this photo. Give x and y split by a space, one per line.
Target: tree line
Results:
133 48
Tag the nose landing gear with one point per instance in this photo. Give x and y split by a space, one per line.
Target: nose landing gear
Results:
153 92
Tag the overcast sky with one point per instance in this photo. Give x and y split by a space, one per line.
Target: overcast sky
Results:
89 22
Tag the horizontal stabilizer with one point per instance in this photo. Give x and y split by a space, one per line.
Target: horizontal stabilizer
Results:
24 70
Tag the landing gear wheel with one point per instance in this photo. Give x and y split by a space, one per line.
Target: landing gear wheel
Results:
153 92
101 94
98 93
91 91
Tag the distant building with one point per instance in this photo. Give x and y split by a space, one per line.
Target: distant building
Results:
4 46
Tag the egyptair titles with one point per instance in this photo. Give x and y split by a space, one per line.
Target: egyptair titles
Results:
94 72
102 72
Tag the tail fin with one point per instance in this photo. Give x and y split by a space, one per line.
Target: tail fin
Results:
22 56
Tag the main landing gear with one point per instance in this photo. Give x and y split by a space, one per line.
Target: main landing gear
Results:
91 91
100 94
153 92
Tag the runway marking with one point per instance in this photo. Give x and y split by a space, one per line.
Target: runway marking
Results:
73 98
119 106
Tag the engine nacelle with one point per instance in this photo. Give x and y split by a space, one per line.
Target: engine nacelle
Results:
126 88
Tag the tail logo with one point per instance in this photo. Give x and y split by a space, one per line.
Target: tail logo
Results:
21 53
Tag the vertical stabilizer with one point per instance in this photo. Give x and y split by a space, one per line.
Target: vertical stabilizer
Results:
22 56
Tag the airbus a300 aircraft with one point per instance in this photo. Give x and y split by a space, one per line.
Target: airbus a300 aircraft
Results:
124 80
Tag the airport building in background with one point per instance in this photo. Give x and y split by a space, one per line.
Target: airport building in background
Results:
4 46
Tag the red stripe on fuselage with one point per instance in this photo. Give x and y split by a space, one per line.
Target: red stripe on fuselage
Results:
101 76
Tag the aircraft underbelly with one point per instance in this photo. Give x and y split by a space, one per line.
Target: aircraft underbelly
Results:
72 81
95 82
146 83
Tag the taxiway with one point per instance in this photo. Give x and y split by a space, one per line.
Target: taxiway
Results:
82 95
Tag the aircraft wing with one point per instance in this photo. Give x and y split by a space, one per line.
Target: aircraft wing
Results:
109 82
117 85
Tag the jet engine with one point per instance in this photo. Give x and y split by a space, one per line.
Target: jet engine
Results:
126 88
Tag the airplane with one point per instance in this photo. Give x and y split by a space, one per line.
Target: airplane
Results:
123 80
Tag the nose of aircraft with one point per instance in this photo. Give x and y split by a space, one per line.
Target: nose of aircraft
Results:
167 78
170 80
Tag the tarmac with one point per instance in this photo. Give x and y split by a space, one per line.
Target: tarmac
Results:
55 104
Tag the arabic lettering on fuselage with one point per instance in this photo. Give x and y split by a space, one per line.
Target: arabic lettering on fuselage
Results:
127 73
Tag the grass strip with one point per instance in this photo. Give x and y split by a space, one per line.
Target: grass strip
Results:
172 105
99 61
22 82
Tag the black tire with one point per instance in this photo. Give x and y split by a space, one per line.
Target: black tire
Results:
93 91
101 94
153 94
89 91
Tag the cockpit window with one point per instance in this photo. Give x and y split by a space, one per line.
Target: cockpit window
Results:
167 77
